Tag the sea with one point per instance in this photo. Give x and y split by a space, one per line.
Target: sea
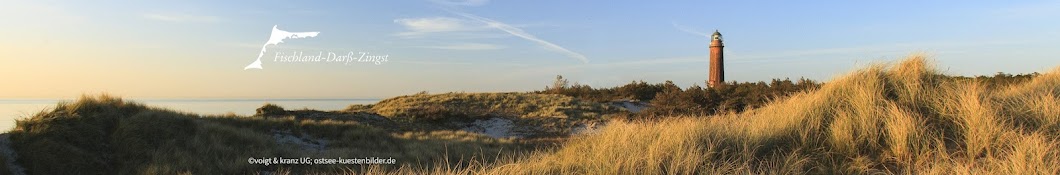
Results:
12 109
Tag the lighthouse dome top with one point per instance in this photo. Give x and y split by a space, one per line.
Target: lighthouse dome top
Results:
716 32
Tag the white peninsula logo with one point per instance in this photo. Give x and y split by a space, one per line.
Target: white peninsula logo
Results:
278 36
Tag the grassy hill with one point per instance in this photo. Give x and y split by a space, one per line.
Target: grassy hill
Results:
107 135
905 118
902 119
479 105
532 115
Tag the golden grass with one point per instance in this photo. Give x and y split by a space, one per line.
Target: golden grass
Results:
900 119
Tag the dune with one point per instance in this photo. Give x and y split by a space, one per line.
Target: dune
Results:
905 118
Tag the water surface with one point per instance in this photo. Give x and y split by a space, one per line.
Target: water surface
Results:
11 109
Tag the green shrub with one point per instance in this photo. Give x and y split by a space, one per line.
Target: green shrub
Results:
270 110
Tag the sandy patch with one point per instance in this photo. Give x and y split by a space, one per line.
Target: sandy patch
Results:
303 141
633 106
587 128
494 127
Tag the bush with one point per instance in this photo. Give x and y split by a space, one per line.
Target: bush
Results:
271 110
673 101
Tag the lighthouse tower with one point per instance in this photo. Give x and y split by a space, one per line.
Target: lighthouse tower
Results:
717 63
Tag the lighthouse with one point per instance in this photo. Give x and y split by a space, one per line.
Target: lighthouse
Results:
717 61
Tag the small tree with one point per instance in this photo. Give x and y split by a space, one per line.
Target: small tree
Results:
559 85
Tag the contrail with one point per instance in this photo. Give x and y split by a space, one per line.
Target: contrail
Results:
522 34
277 37
689 30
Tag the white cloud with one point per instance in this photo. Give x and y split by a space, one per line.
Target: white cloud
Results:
432 62
689 30
467 46
461 2
420 26
181 18
514 31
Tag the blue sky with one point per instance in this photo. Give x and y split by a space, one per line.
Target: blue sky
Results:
197 49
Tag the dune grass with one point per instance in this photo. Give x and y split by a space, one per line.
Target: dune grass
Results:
477 105
894 119
107 135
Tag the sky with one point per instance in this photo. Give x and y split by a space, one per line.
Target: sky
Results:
198 49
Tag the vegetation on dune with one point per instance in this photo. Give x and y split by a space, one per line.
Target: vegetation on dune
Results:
668 99
106 135
478 105
906 119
